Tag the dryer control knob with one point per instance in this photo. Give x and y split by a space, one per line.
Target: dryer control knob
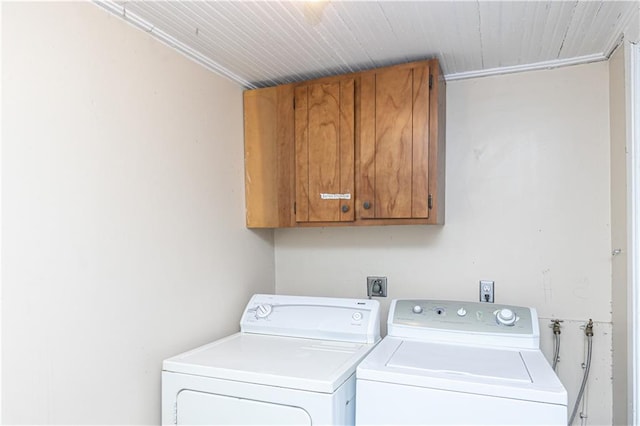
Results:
263 311
417 309
506 316
462 312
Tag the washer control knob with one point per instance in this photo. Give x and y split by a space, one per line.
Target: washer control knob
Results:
357 316
263 311
462 312
506 316
417 309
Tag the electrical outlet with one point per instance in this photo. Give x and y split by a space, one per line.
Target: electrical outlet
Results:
486 291
377 286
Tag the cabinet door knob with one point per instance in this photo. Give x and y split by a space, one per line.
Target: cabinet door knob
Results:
345 208
367 205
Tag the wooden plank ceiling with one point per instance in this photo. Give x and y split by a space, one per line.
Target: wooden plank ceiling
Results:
265 43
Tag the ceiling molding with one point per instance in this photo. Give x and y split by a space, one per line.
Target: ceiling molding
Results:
556 63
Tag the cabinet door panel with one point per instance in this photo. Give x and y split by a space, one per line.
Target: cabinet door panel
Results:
347 148
324 151
394 137
302 154
420 160
367 147
324 118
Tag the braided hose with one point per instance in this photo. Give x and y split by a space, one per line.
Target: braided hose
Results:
589 332
556 352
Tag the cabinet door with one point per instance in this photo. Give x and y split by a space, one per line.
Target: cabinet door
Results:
324 151
394 146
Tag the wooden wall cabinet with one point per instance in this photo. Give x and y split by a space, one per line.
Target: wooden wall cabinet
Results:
360 149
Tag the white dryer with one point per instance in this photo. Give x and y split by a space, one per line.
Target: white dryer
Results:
293 362
446 362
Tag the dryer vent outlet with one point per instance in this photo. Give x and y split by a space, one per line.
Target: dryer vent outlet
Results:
377 286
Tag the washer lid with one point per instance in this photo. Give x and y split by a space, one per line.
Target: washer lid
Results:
445 360
501 372
290 362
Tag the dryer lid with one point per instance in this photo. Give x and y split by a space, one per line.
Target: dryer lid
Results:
288 362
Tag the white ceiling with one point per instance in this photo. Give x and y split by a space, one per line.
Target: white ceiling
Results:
265 43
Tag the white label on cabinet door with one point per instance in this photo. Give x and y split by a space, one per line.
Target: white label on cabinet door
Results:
335 196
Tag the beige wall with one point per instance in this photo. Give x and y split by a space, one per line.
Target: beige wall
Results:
528 205
123 230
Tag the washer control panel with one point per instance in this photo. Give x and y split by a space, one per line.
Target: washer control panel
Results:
462 317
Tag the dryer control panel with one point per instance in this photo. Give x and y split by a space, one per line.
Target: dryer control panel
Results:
327 318
465 322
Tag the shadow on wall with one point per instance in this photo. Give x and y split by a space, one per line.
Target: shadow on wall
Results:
358 237
266 235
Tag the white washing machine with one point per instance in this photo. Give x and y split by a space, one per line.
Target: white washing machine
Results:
293 362
446 362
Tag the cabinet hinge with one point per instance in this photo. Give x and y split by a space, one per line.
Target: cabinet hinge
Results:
430 81
175 413
430 201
